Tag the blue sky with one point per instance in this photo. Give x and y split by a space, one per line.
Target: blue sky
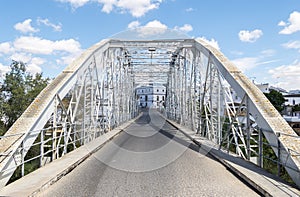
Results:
262 37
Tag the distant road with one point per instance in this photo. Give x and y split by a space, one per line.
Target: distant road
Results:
151 158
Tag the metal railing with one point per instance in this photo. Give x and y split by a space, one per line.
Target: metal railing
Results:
264 152
51 143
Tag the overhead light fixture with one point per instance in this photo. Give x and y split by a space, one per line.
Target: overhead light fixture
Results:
151 49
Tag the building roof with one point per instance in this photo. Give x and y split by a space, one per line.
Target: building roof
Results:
292 95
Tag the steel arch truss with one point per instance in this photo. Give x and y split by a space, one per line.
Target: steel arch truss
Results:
91 97
208 94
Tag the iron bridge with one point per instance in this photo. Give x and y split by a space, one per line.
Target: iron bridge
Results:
96 93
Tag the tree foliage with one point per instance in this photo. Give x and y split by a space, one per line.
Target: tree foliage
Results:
296 108
18 90
277 99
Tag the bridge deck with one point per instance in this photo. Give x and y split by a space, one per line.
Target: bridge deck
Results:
146 161
150 158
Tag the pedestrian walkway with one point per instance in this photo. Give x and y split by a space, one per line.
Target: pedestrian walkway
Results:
266 183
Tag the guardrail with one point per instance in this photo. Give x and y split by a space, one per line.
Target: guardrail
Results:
265 154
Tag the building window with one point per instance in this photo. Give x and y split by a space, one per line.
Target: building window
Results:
163 98
157 90
157 98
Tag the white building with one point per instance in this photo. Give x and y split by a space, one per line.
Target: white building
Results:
294 92
292 99
151 96
291 115
264 87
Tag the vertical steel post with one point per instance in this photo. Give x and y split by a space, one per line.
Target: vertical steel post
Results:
54 125
248 129
185 94
42 148
260 148
193 96
22 159
278 155
219 132
64 130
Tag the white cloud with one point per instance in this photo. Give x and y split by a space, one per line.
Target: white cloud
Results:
246 63
108 5
282 23
293 24
6 48
70 46
292 45
33 68
33 64
268 52
156 24
3 70
37 60
189 9
25 27
136 8
152 28
211 42
24 57
26 49
66 60
38 45
133 25
33 45
250 36
155 27
75 3
287 75
185 28
49 24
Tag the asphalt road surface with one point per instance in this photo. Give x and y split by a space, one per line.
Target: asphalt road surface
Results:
150 158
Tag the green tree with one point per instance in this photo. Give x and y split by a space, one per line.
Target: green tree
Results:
13 93
34 85
296 108
277 99
18 90
2 125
